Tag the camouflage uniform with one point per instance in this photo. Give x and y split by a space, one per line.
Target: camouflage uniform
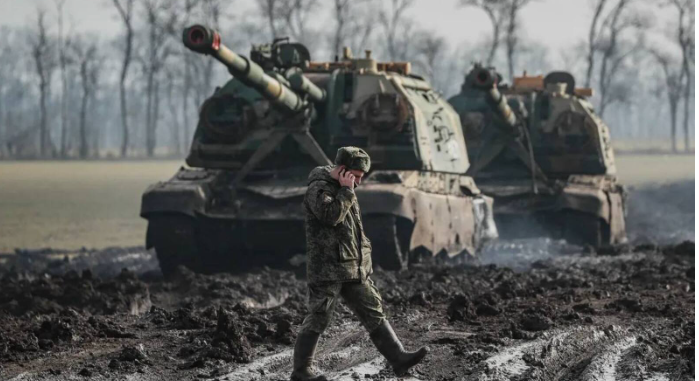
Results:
339 255
339 264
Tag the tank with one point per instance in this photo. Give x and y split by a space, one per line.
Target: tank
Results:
237 202
538 148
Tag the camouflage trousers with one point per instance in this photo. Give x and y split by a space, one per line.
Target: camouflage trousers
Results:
361 297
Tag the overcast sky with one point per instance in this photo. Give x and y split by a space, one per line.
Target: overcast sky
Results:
558 22
559 25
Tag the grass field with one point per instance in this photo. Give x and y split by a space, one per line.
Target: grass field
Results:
73 204
634 169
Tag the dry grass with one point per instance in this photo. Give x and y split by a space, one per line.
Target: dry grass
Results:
638 169
646 145
73 204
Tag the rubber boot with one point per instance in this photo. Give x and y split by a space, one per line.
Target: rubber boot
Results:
390 347
303 358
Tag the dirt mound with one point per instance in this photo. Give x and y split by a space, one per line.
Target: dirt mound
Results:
29 293
103 263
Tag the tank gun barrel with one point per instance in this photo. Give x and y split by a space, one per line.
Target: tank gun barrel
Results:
487 80
301 84
204 40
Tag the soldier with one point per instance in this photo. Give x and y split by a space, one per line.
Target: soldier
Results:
339 264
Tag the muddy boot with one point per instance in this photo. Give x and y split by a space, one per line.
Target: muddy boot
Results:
303 358
390 347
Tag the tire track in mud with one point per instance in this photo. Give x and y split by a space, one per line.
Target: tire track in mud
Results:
340 358
577 353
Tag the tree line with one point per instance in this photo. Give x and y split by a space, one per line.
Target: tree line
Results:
65 94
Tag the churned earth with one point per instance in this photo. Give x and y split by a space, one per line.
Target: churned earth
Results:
527 310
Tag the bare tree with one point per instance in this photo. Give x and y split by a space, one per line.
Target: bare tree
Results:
7 65
18 130
125 9
290 18
615 50
202 68
353 26
42 54
512 30
188 8
430 48
269 10
592 37
298 16
396 28
685 40
170 82
63 46
89 67
212 13
160 24
496 12
673 90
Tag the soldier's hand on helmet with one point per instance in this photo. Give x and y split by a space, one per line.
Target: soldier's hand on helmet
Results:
346 179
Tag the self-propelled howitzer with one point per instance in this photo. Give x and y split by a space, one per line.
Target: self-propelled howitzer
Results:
238 204
538 148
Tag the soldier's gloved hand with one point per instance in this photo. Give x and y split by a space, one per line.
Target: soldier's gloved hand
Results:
347 179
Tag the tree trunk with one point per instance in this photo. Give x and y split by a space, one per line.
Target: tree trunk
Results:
124 115
591 41
96 128
673 125
603 86
125 12
155 118
64 84
495 23
149 114
64 112
83 124
3 127
685 123
43 124
187 83
175 120
511 42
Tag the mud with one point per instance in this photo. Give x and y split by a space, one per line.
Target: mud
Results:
527 310
569 317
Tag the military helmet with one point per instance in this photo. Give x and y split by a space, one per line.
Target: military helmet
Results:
353 158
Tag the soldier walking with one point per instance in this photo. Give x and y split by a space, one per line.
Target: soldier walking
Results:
339 265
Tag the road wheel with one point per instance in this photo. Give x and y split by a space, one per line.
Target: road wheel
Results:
388 240
586 229
174 241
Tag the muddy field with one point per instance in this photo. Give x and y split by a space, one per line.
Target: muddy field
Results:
528 310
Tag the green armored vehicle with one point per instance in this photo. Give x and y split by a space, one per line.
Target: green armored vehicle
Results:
238 203
542 153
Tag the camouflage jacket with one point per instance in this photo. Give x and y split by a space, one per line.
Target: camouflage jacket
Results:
338 250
